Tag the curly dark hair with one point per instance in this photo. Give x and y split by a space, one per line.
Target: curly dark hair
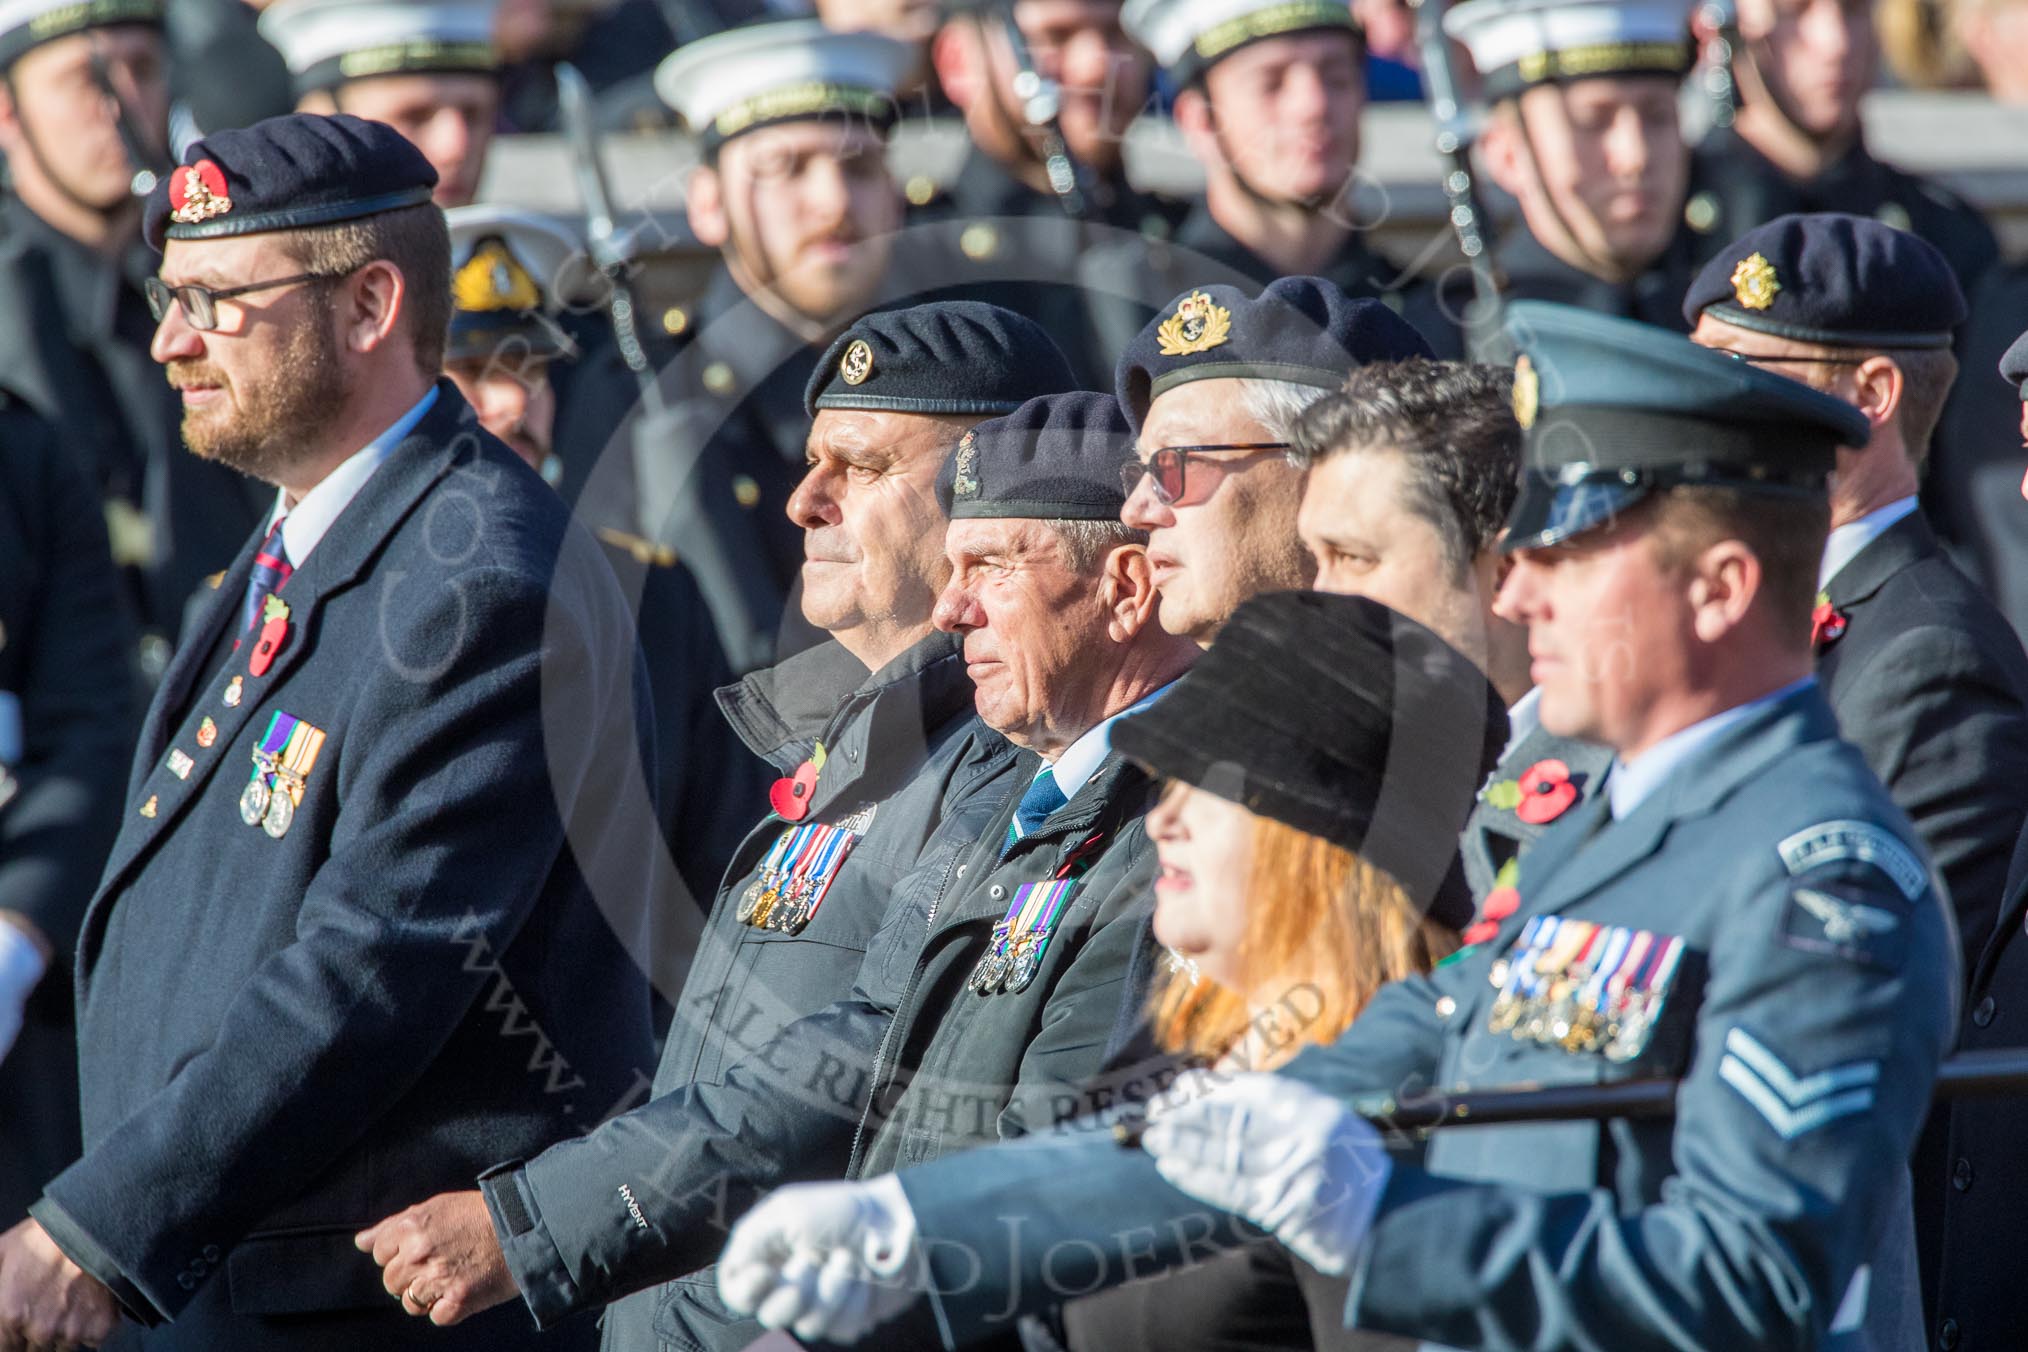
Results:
1453 422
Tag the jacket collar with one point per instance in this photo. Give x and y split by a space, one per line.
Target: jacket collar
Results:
781 711
1354 269
446 438
1902 545
1569 865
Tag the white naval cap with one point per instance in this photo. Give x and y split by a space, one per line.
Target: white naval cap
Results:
327 42
1187 36
30 23
511 271
750 77
1518 43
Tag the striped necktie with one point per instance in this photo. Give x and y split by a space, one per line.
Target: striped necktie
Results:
271 568
1041 799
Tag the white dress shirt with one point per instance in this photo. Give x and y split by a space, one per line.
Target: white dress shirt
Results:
304 524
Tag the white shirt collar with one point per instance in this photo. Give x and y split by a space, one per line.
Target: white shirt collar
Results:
1522 720
1847 540
1081 759
1630 784
305 524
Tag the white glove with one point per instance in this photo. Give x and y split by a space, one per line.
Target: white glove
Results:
1294 1161
21 969
827 1261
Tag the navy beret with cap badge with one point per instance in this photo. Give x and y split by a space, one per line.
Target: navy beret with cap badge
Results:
1834 279
943 357
1303 330
1612 410
287 173
1055 458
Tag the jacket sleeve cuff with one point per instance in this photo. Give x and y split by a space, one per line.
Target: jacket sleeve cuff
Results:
83 1250
532 1257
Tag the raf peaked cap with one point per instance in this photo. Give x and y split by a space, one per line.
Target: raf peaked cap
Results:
30 23
1300 329
950 356
1516 44
1056 458
1612 410
1845 281
287 173
1341 718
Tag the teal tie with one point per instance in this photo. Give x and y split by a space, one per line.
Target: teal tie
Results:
1041 799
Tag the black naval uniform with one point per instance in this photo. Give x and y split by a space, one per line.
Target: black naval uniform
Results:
1974 1273
65 656
1972 485
74 335
993 238
1733 188
1129 283
1531 272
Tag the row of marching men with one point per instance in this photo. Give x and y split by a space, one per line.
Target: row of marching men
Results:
1114 855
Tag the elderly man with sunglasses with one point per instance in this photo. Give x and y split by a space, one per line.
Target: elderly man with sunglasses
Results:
1214 386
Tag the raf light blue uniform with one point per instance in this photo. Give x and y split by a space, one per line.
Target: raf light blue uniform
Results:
1805 1011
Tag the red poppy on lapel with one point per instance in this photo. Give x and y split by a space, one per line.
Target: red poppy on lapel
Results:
1546 792
1827 623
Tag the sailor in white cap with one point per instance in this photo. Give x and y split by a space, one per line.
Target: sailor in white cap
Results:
1269 99
428 69
513 276
1584 134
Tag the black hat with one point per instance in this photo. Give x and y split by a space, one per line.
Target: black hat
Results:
1342 718
948 356
1612 410
1300 329
1056 458
1825 277
30 23
287 173
2014 364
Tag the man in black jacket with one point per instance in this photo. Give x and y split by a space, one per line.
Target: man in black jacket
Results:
67 714
1926 676
352 943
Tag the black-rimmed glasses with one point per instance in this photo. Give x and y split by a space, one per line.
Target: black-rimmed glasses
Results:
1169 468
200 303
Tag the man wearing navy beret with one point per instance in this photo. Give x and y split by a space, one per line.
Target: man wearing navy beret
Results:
353 942
1925 675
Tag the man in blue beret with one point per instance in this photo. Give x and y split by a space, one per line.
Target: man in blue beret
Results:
74 326
387 822
1215 385
1925 675
1583 132
1666 541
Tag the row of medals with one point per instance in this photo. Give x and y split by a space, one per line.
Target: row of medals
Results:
270 805
775 902
1553 1018
1008 966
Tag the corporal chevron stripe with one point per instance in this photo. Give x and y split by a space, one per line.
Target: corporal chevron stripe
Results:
1795 1105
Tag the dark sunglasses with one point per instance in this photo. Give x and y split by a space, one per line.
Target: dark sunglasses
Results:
200 303
1169 467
